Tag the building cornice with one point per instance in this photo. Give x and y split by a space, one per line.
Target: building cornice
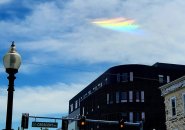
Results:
172 86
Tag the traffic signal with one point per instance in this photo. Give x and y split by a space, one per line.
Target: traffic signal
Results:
64 124
121 124
82 122
25 120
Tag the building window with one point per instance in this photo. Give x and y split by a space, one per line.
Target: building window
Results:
131 116
106 81
143 115
123 97
95 88
130 96
89 92
142 96
83 110
161 78
173 106
76 104
118 77
131 76
137 116
117 97
71 107
107 98
124 77
168 79
79 102
183 99
124 114
111 98
137 96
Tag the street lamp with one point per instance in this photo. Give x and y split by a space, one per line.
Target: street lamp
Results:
12 62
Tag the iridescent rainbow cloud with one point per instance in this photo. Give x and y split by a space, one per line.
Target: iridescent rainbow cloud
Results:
118 24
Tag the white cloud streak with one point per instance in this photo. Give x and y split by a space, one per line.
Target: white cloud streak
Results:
162 23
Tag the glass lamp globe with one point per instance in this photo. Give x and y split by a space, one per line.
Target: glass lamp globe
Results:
12 59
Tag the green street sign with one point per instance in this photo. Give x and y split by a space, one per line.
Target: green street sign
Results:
45 124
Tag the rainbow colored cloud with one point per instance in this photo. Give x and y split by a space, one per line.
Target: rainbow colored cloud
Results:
118 24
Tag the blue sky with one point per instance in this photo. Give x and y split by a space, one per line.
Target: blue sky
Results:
62 51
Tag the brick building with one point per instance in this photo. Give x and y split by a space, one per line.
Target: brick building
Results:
174 95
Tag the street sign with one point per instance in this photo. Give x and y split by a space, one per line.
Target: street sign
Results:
45 124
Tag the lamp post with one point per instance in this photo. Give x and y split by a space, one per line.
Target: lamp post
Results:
12 62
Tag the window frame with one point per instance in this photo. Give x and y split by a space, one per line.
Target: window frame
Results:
171 99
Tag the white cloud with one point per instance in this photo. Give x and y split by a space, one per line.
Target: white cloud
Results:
2 70
66 33
5 1
40 100
163 25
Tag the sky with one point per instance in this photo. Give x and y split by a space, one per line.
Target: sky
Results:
63 51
